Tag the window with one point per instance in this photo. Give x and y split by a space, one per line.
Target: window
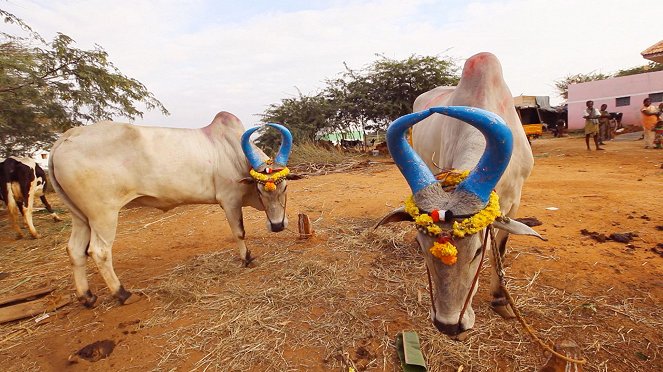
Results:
623 101
656 97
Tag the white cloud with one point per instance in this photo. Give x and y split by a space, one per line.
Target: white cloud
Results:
202 57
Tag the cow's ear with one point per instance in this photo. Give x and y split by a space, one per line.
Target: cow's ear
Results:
292 177
396 215
516 227
247 180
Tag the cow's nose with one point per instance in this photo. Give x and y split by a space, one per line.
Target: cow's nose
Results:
276 227
448 329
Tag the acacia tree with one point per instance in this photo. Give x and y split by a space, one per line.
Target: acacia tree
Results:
562 85
649 67
368 98
49 87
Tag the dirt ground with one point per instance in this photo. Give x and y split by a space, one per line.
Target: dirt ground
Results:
338 300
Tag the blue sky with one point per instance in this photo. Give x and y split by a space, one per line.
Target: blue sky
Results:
200 57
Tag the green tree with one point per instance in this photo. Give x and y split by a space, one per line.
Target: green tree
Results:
304 116
365 99
562 85
49 87
649 67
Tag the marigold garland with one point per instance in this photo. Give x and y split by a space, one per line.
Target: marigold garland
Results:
446 252
443 248
270 180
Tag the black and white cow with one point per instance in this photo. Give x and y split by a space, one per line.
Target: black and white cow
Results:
21 180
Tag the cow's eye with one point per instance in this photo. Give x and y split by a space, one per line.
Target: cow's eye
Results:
477 254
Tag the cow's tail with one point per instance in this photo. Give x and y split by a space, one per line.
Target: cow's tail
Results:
58 189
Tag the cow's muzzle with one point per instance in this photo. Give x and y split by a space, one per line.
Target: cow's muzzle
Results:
448 329
276 227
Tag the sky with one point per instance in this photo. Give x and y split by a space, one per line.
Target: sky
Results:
199 57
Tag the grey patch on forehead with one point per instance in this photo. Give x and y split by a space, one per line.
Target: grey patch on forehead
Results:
434 197
431 197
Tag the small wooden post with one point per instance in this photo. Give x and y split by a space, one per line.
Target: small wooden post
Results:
305 228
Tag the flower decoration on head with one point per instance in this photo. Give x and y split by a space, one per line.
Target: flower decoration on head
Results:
443 248
271 178
268 172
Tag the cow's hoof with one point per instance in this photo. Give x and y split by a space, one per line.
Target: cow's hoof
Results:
88 299
502 307
132 299
249 261
125 297
36 236
56 218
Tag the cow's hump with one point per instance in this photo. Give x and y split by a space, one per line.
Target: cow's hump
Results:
225 119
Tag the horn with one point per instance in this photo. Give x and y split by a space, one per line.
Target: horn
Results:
282 156
249 151
499 146
415 171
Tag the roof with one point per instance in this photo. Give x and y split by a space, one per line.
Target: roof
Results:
654 52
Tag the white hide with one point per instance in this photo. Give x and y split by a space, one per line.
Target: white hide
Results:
98 169
452 144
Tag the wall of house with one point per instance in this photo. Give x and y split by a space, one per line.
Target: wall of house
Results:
636 87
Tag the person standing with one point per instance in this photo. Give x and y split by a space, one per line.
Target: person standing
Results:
604 125
649 116
591 116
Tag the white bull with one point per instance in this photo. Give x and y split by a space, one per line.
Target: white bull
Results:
445 142
98 169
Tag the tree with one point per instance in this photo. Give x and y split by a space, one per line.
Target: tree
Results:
562 85
650 67
49 87
369 98
304 116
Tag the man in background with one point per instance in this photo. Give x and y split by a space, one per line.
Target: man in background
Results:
604 124
649 115
591 116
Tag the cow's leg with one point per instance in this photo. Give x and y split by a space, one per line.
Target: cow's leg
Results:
28 189
77 249
102 235
49 209
236 222
12 211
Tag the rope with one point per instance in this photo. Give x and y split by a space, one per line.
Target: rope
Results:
521 319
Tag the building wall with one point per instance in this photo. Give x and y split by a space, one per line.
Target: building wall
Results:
637 87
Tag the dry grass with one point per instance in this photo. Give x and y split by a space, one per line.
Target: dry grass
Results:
340 307
311 159
347 307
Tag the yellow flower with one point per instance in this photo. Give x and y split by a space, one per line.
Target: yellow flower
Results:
270 180
434 229
411 207
452 177
479 221
423 220
446 252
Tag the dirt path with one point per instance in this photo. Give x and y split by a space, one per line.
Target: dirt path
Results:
338 300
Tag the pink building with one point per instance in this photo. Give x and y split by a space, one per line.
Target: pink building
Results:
622 94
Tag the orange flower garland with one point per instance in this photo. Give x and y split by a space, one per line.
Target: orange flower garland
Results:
443 248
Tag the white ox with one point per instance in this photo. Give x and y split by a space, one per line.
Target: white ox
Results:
98 169
445 142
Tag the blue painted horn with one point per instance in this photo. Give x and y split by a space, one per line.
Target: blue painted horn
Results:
281 159
492 164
